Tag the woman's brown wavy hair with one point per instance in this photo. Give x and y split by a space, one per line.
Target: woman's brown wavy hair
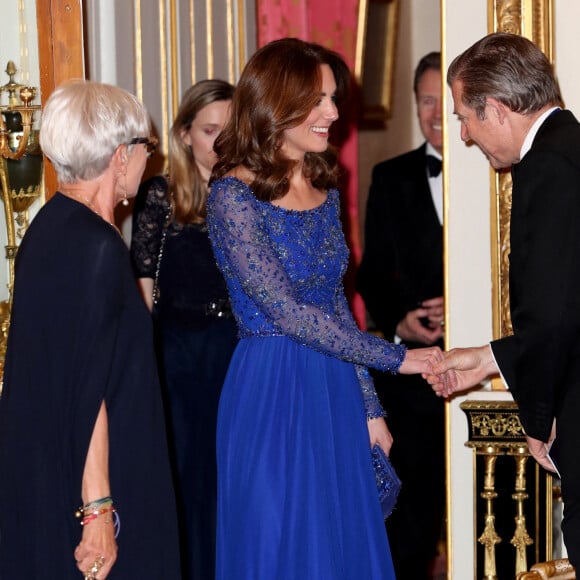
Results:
277 90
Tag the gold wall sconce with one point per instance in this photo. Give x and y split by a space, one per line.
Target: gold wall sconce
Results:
20 177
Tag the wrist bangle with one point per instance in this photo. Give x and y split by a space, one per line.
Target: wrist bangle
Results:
99 507
95 514
94 506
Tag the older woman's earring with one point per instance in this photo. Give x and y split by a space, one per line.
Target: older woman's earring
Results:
123 175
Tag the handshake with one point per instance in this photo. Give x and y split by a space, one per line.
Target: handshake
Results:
452 371
460 369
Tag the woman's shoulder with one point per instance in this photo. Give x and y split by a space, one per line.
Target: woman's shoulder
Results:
333 198
66 223
231 198
233 185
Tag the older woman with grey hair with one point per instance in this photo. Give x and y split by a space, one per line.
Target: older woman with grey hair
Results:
81 419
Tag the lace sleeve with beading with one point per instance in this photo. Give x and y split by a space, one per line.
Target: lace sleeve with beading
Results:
244 250
372 403
149 217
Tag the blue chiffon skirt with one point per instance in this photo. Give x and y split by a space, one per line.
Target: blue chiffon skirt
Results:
297 497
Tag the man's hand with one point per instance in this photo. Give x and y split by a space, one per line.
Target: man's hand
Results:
539 451
412 329
461 369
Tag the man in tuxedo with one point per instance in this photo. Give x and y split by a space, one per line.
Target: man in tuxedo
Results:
401 282
509 104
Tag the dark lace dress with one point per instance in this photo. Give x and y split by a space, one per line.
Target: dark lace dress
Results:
297 493
196 337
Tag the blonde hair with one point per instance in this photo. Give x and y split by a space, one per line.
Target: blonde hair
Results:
188 189
84 122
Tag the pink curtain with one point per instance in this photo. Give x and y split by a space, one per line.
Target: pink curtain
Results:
331 23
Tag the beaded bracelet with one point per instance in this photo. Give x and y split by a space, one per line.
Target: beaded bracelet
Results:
93 505
94 510
94 515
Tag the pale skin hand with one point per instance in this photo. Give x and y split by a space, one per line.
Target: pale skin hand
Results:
411 328
461 369
98 537
539 449
379 434
421 360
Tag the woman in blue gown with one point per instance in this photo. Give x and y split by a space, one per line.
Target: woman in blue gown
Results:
297 496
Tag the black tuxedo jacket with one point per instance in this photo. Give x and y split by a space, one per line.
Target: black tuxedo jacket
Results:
541 360
402 263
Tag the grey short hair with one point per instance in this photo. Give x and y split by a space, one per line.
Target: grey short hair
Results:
509 68
84 122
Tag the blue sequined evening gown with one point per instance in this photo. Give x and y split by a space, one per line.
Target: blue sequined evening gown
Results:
297 497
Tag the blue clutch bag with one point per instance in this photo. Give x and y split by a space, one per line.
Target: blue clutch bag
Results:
388 483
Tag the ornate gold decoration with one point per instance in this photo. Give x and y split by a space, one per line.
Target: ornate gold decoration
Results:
556 569
493 421
521 539
497 425
20 177
17 140
489 538
495 431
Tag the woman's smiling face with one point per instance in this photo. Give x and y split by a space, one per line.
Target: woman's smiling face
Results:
312 134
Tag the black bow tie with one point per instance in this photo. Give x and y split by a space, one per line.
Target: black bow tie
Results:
433 166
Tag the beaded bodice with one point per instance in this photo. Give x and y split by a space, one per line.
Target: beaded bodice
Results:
284 271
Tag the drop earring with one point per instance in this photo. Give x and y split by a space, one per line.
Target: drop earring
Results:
124 201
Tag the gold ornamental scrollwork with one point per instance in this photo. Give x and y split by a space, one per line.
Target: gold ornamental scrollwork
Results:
532 19
494 423
497 437
497 425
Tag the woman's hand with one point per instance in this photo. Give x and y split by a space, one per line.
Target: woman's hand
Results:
379 434
421 360
97 551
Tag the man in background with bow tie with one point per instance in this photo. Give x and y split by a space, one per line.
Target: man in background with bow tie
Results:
401 281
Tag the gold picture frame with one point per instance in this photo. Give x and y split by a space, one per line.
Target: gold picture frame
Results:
375 60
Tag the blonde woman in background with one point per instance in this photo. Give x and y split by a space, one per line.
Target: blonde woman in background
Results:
196 331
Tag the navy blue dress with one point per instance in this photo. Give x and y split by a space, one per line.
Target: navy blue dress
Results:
80 334
196 336
297 495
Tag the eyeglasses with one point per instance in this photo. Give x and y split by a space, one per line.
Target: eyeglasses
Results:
149 142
